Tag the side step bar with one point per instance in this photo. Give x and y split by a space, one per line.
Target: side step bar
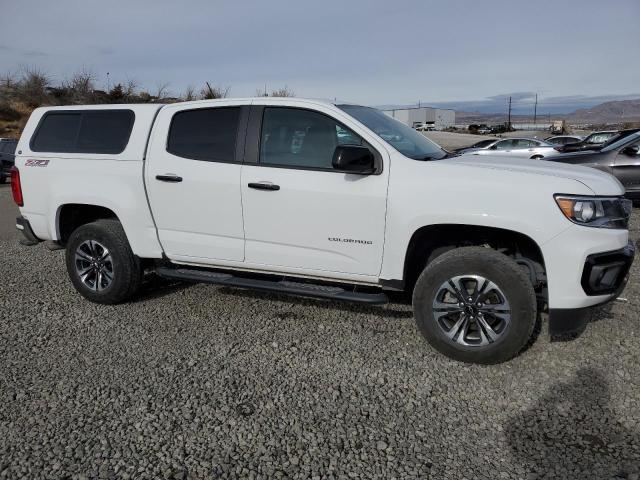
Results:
280 286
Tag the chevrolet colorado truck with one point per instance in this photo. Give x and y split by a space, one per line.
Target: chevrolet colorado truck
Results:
322 200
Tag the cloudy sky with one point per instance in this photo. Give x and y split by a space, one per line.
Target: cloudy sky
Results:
466 54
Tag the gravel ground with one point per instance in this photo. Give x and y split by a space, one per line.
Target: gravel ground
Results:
198 381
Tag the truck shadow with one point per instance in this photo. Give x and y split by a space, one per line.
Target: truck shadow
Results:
156 287
572 433
393 309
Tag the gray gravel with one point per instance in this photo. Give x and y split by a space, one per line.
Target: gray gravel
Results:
198 381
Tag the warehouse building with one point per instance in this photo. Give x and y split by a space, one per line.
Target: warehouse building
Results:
438 117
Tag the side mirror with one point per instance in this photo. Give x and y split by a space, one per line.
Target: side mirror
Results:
353 159
632 150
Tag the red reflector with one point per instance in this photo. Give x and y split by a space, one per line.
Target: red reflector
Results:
16 187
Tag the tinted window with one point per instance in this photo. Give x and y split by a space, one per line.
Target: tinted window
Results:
302 138
86 131
205 134
57 132
105 131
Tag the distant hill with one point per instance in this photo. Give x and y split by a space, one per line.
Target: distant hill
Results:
613 112
608 112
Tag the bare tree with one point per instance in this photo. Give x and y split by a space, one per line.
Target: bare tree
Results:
129 89
208 92
283 92
162 91
81 87
189 94
31 89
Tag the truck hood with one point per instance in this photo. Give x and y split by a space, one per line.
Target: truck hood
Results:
601 183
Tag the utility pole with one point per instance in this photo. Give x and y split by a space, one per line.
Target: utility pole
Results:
108 86
535 110
509 121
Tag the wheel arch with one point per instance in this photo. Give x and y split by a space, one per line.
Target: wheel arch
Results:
70 216
430 241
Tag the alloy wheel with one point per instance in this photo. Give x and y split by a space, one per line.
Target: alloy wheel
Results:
471 310
94 265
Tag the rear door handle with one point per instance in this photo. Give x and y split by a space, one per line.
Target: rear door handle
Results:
264 186
169 178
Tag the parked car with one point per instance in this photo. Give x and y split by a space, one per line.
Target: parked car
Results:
513 147
589 142
425 127
477 145
7 150
218 191
563 139
620 157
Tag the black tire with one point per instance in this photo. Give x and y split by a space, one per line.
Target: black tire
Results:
512 282
2 179
125 268
537 157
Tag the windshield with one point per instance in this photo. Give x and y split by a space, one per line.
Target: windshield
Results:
599 137
621 142
400 136
483 143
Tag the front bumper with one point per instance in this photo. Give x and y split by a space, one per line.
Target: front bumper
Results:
604 273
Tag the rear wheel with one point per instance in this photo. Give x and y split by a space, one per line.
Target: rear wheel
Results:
100 262
475 305
537 157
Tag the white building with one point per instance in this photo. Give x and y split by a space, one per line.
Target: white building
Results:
438 117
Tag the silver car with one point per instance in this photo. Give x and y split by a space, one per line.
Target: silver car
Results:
514 147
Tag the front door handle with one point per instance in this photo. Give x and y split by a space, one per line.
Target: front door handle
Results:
264 186
169 177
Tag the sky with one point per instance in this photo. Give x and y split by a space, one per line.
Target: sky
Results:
464 54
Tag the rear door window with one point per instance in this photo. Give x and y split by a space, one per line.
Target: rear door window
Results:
84 131
207 134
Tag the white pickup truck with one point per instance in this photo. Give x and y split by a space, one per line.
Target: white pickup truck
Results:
336 201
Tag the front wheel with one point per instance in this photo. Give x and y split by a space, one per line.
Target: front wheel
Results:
475 305
100 262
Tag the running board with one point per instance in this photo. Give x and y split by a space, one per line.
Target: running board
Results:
279 286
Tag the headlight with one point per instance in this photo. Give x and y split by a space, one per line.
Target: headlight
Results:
601 212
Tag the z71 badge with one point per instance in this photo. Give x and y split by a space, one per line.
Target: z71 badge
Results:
36 163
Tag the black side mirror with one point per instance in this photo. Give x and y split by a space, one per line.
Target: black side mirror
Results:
632 150
353 159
